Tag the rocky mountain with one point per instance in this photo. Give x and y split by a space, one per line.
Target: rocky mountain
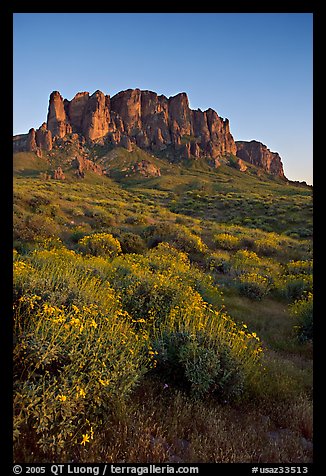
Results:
150 121
258 154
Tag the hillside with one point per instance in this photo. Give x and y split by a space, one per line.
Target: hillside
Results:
239 244
158 265
191 187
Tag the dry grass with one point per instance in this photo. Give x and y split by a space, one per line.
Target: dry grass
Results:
165 426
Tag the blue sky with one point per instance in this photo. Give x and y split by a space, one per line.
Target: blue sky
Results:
255 69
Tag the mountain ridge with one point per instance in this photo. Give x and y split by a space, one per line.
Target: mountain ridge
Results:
152 122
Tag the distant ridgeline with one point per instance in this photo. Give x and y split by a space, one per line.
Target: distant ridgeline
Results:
164 126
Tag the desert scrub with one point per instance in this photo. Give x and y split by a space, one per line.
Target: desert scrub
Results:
226 241
22 272
153 284
219 262
131 243
38 203
268 246
193 363
299 267
244 261
177 235
302 311
136 220
145 292
100 244
206 352
48 243
62 277
253 285
73 366
293 286
32 227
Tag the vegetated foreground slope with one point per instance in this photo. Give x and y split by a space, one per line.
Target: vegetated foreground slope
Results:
135 292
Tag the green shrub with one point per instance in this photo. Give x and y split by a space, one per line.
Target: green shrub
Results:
299 267
61 277
75 366
136 220
38 202
170 296
100 244
233 161
247 243
76 356
177 235
34 227
302 311
79 232
304 232
81 346
219 262
244 261
77 235
196 364
151 285
253 285
132 243
293 286
227 241
267 246
144 295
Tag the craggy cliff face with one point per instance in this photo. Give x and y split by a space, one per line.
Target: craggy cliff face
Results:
151 122
133 116
258 154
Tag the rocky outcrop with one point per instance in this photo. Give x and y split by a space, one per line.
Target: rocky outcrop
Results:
146 168
34 141
195 149
58 174
200 127
142 117
76 109
150 121
43 138
126 143
19 143
57 120
83 165
242 166
96 116
214 163
25 142
127 104
31 141
179 115
258 154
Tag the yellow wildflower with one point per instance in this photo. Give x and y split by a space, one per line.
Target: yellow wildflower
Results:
62 398
85 439
81 392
